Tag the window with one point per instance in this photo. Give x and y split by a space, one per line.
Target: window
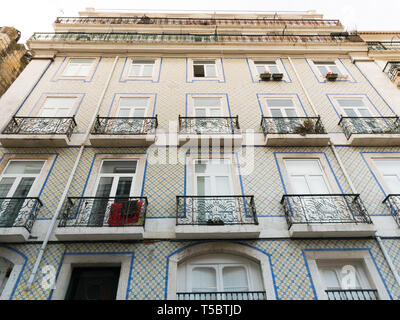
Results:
325 67
213 177
390 172
78 67
266 66
141 68
57 107
219 273
281 107
306 176
354 107
204 69
132 107
207 107
93 283
17 181
115 183
6 268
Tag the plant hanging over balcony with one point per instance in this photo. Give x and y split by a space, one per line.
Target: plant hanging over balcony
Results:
309 127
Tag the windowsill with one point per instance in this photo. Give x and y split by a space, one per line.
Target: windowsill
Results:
247 231
99 233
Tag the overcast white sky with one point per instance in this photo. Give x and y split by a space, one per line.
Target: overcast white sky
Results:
38 15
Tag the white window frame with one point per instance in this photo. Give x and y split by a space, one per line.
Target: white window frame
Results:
218 70
133 97
328 175
366 102
116 105
344 75
296 104
18 263
277 62
363 257
62 75
222 99
70 112
126 74
78 99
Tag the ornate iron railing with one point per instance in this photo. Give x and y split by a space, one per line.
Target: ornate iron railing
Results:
352 294
324 208
125 125
129 37
41 125
209 125
104 212
393 203
392 69
292 125
383 45
19 212
369 125
215 210
199 21
242 295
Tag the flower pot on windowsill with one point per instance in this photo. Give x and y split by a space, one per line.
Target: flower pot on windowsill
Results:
266 76
330 76
277 76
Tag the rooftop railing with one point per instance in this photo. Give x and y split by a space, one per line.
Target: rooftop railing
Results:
263 22
41 126
324 209
128 37
370 125
383 45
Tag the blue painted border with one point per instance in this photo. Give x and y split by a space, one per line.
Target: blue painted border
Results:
325 81
259 81
136 79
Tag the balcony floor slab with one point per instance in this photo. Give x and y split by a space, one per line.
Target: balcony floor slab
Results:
14 234
217 232
45 140
297 140
103 140
375 140
99 233
332 230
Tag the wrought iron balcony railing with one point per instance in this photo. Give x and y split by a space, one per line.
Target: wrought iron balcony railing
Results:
292 125
392 69
352 294
19 212
125 125
209 125
393 203
41 126
215 210
243 295
104 212
128 37
324 209
199 21
383 45
369 125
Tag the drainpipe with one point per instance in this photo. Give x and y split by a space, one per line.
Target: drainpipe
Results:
353 189
71 176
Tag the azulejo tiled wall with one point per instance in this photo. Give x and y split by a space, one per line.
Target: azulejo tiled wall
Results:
148 269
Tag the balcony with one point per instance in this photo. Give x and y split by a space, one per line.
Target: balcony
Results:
123 131
371 131
245 295
96 218
209 130
294 131
327 215
262 23
392 69
129 37
216 217
352 294
38 132
17 216
393 203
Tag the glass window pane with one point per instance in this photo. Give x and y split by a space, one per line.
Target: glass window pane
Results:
198 71
222 186
148 70
207 102
124 112
119 167
203 186
261 69
124 187
299 185
273 69
139 112
317 184
335 69
280 103
135 70
393 183
276 113
350 102
24 167
104 187
364 112
211 71
330 279
5 186
59 102
204 279
291 112
350 112
235 279
133 102
24 187
215 112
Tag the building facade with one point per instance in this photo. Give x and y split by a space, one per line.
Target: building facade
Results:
13 57
200 156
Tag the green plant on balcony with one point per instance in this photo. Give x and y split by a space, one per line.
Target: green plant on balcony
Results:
277 76
215 222
330 76
309 127
265 76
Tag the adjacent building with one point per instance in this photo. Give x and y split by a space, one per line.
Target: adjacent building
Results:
201 156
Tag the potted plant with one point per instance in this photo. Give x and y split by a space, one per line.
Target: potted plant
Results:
215 222
330 76
308 126
265 76
277 76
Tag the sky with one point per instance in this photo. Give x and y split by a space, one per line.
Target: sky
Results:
38 15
